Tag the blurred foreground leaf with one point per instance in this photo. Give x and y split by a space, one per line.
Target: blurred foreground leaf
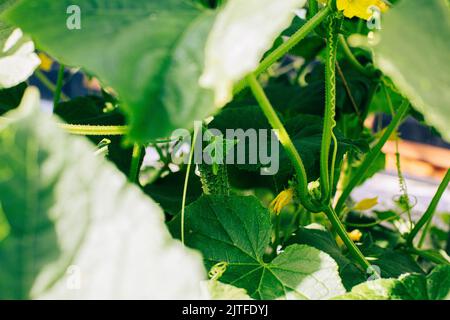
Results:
413 51
78 230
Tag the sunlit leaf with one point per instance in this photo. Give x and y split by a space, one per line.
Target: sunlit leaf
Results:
149 51
17 59
221 291
237 231
435 286
231 52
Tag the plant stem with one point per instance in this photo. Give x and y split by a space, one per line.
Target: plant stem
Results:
298 36
342 179
294 223
424 234
277 239
285 141
428 215
401 179
333 163
332 4
427 255
186 181
135 163
351 57
47 83
372 155
340 230
279 52
59 85
371 224
87 130
330 111
360 26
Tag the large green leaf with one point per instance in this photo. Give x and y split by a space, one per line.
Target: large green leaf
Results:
243 31
312 96
435 286
322 240
149 51
391 261
72 216
5 29
305 131
413 51
371 290
237 230
291 99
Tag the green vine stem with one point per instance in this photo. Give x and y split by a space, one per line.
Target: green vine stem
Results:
371 224
85 130
352 59
59 85
330 111
372 155
48 84
135 163
342 232
333 4
279 52
427 255
298 36
285 141
186 180
401 178
333 164
428 215
423 236
343 178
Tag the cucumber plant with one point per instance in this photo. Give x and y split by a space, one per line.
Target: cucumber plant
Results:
79 185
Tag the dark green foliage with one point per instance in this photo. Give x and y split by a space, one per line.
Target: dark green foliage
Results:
10 98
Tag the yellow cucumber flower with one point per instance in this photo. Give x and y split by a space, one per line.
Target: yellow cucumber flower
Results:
46 62
360 8
282 200
355 236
